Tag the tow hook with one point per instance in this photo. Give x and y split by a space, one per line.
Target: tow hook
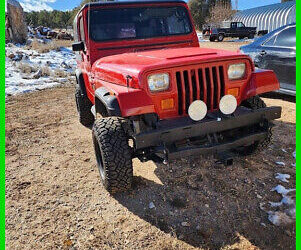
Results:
225 158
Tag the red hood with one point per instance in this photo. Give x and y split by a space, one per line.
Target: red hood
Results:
116 68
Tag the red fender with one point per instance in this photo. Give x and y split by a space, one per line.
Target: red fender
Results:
262 81
131 101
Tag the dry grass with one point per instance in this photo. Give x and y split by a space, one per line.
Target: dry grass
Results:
27 68
60 73
46 47
46 71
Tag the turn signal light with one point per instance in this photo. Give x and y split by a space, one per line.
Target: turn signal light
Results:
233 91
167 104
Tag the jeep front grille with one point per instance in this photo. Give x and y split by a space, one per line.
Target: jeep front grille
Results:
206 84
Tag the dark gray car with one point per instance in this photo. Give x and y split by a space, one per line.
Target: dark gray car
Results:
277 51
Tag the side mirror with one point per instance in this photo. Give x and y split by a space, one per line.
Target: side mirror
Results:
78 46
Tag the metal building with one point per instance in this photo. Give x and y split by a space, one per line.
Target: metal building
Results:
269 17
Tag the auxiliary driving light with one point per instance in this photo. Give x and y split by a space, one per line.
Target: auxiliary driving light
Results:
197 110
228 104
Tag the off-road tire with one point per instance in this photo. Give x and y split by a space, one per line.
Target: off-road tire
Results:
113 154
255 103
211 39
220 37
84 105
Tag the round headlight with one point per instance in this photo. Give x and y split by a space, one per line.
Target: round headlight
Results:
197 110
228 104
158 82
236 71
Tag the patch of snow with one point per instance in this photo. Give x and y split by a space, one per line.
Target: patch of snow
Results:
287 200
291 212
294 154
17 82
279 218
293 165
201 37
275 204
283 150
287 216
282 190
280 163
46 29
241 40
151 205
282 177
285 210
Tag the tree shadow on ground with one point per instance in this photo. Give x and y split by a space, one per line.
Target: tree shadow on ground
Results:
209 205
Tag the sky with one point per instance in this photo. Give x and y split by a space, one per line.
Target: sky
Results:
36 5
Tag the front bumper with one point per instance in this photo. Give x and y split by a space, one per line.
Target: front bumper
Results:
179 129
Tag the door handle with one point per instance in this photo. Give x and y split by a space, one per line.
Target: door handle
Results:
263 53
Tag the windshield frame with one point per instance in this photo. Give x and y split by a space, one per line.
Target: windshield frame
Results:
89 29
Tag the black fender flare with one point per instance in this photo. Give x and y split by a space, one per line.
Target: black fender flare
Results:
80 81
110 102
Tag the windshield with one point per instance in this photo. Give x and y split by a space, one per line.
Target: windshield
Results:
138 23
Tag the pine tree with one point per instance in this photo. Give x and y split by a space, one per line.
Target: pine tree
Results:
199 11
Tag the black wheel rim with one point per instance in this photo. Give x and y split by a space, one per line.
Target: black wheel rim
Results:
98 156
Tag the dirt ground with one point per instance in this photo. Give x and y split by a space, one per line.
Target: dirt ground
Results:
54 198
228 45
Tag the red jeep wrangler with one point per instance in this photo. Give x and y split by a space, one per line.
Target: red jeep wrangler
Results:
151 92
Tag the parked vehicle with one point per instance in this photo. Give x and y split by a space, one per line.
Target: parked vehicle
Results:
232 29
262 32
277 51
206 30
151 92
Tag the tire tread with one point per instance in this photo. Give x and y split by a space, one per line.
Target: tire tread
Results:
111 136
255 103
